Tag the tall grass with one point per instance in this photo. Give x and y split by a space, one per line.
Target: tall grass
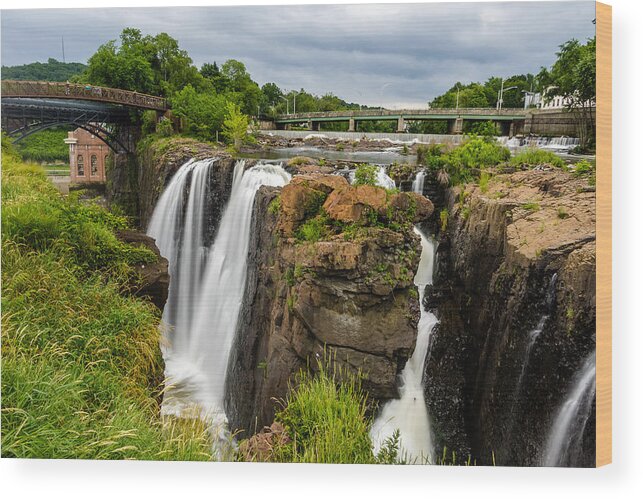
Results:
325 417
81 366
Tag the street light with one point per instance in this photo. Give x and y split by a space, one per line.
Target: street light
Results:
501 92
287 109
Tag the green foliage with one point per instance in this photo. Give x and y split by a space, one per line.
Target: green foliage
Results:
325 417
431 156
366 174
204 113
583 167
475 152
484 129
148 122
164 127
562 213
535 157
313 230
81 365
46 145
477 94
275 206
444 219
235 125
532 206
483 181
573 77
148 64
52 70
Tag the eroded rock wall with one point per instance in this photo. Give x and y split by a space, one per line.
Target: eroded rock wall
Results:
348 295
515 295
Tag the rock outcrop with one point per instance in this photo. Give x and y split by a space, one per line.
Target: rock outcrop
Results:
150 280
348 294
515 295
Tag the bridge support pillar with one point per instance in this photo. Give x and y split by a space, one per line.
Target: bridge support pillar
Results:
400 125
506 128
455 126
351 124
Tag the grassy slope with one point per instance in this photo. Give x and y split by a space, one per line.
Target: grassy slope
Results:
79 359
46 145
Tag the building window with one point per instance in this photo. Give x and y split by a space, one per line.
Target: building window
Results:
81 166
94 165
105 163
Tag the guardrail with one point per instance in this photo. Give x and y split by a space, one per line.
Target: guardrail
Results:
357 113
62 90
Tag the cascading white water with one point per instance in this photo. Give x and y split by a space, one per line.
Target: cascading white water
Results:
418 182
214 279
381 179
563 443
179 237
409 413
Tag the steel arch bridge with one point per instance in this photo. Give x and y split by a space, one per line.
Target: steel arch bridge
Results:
28 107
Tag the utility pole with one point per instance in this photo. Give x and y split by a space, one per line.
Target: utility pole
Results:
63 44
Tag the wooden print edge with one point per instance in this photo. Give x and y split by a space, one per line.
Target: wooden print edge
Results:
603 234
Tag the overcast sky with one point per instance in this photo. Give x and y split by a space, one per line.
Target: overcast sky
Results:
393 55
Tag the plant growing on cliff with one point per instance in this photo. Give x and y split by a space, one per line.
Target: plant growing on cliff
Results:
444 220
235 125
483 181
366 174
325 416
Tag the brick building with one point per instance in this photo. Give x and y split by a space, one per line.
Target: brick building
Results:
87 156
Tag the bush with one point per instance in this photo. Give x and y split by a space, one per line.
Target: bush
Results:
583 167
484 129
313 230
535 157
366 174
430 156
475 153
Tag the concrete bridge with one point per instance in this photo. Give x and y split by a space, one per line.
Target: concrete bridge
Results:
31 106
511 121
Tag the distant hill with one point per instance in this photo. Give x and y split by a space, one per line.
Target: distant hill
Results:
52 70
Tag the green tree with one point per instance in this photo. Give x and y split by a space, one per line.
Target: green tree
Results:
573 76
248 94
235 125
146 64
203 113
52 70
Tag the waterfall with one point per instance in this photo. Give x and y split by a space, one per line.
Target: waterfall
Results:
533 335
565 438
418 182
409 413
381 179
178 230
213 279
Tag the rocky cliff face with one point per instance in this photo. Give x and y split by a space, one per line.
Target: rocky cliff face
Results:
515 296
348 293
135 182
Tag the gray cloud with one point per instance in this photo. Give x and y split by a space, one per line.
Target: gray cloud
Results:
378 54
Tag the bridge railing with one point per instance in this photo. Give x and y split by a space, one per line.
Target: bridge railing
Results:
449 112
62 90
